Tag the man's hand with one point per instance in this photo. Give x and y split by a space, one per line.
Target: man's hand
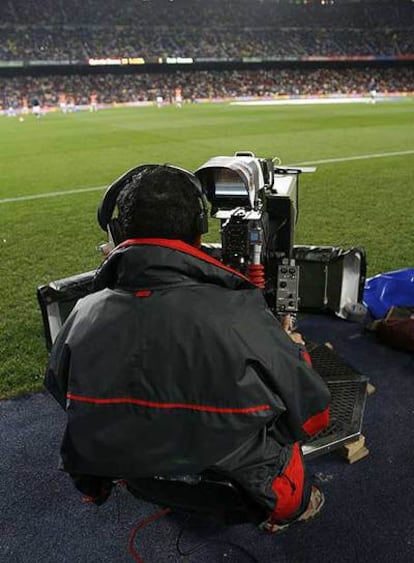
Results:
287 327
297 338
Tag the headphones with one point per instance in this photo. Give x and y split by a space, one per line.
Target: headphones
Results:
106 208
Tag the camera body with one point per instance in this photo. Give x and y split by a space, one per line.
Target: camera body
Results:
257 205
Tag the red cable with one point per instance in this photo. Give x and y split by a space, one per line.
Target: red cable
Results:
141 524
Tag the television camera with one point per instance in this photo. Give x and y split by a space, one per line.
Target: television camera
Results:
256 201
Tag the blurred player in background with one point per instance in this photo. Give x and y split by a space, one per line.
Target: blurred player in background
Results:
25 106
178 98
71 104
93 102
373 91
36 109
62 102
159 100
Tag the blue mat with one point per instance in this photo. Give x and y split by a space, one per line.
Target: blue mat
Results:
368 516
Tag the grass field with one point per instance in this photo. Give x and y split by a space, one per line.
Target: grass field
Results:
363 196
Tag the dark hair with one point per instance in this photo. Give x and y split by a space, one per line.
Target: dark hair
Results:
159 202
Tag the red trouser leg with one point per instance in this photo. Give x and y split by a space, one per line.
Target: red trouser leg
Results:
291 489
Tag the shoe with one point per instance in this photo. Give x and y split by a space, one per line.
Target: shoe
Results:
316 502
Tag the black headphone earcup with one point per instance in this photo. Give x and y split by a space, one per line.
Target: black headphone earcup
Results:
202 222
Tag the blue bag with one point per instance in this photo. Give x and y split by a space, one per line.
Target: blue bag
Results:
383 291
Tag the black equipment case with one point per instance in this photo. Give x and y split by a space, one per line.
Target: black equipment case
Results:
331 279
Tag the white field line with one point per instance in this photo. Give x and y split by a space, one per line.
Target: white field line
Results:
308 163
50 194
360 157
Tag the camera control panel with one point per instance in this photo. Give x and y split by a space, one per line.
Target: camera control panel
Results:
287 289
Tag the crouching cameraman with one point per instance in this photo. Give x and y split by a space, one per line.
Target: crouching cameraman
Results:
176 366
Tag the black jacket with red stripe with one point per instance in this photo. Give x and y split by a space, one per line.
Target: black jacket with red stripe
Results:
177 365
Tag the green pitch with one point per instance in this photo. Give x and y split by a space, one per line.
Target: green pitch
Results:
364 196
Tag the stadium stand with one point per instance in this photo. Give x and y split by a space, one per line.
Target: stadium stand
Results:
213 14
76 31
224 49
63 43
199 85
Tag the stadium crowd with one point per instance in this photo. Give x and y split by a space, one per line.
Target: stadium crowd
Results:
201 85
80 44
73 31
213 14
76 30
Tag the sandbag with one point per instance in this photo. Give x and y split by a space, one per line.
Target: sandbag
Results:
397 328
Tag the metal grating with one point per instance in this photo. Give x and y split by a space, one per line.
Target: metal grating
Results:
348 391
329 365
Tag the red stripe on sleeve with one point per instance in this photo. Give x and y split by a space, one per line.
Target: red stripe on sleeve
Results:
316 423
143 293
154 405
307 357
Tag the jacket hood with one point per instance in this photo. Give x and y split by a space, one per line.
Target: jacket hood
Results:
153 263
